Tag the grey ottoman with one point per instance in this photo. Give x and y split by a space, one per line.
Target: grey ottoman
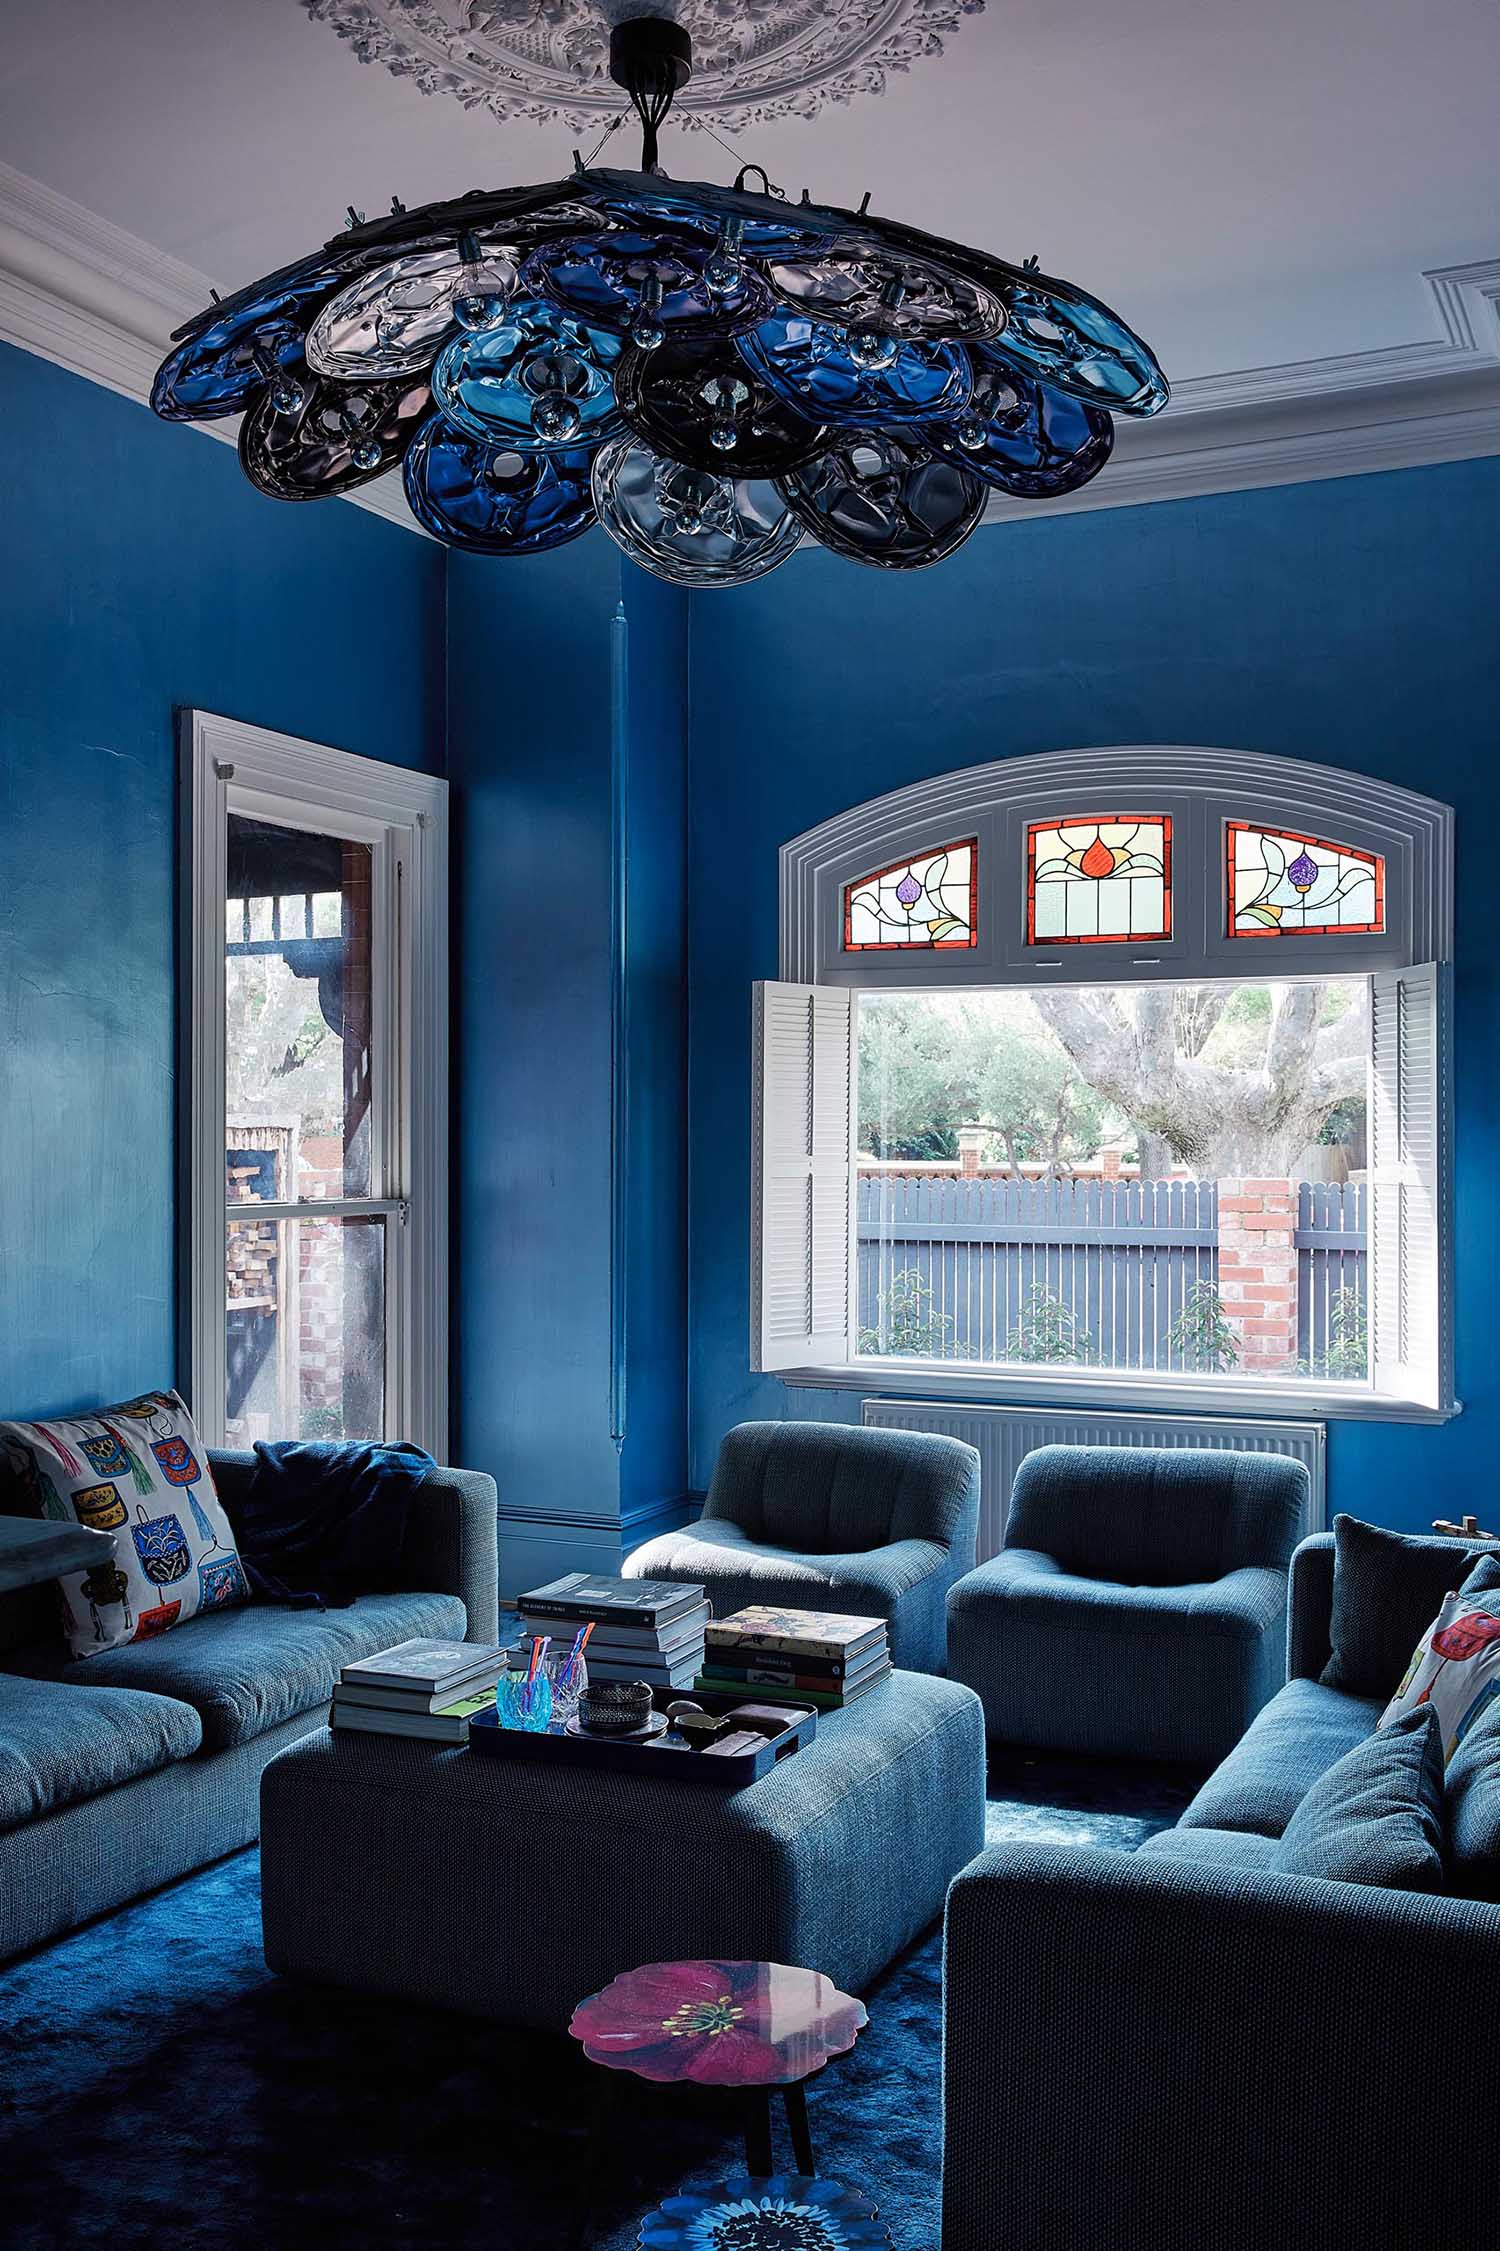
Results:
511 1890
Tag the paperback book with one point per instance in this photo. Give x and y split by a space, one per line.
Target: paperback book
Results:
450 1725
636 1602
798 1633
425 1667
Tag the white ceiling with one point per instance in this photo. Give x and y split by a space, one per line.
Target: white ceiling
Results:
1247 181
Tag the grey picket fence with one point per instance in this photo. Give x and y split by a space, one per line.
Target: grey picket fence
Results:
1000 1269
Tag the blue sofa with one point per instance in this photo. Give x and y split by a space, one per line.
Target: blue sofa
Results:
129 1769
1180 2049
832 1516
1138 1607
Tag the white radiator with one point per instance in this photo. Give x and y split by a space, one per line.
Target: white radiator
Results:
1005 1435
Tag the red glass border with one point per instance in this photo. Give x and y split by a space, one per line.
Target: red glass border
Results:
1096 821
916 945
1375 860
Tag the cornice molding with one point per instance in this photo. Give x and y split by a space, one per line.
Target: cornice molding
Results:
92 298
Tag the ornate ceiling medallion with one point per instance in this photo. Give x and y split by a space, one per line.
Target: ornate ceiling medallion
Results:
549 59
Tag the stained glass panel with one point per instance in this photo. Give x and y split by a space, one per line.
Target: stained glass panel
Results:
1098 879
1279 882
928 901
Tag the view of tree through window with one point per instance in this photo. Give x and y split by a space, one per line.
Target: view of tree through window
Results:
1162 1178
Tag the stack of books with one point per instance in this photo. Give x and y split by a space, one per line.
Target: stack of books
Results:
796 1656
430 1689
644 1629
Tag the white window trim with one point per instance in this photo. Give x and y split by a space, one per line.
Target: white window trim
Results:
227 766
1207 785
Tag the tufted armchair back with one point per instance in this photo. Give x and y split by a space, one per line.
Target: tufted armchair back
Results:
1157 1515
829 1488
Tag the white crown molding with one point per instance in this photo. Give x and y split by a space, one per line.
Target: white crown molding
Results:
81 292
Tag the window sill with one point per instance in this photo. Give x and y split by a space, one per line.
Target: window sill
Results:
1244 1395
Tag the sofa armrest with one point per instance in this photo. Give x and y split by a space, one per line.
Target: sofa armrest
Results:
1148 2052
451 1544
1254 1597
1310 1608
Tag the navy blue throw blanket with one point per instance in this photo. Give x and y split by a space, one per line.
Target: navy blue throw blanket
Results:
319 1524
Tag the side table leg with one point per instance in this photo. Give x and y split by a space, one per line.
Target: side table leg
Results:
758 2160
795 2098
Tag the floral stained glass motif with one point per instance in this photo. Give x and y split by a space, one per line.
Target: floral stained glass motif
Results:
1279 882
928 901
1100 879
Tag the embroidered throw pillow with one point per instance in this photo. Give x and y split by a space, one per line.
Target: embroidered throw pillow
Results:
139 1472
1455 1668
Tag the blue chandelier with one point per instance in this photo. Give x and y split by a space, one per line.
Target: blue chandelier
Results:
710 373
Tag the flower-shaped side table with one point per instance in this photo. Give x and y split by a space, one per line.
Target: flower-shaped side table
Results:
750 2025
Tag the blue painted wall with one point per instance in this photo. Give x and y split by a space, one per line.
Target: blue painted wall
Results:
139 572
1351 622
574 1399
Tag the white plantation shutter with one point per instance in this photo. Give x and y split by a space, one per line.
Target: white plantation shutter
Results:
801 1176
1410 1348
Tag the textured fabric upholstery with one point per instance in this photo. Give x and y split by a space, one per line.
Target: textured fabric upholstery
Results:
433 1875
60 1744
1309 1607
1157 1515
1138 1607
877 1523
1387 1589
86 1859
1376 1816
246 1670
1471 1789
1302 1732
1150 2054
450 1545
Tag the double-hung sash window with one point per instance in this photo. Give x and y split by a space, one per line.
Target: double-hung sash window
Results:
1120 1074
315 1038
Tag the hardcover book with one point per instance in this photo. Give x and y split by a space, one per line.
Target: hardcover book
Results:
450 1725
821 1699
829 1674
809 1633
609 1632
426 1665
583 1594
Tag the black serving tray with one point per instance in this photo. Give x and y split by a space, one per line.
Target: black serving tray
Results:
660 1754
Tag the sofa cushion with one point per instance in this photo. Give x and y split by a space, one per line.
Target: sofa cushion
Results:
1387 1589
248 1669
1214 1848
1376 1817
1302 1732
1472 1801
1035 1588
62 1742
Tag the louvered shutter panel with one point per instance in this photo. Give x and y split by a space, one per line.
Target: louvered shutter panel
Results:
801 1172
1410 1350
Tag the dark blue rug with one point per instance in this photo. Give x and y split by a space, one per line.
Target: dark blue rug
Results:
159 2086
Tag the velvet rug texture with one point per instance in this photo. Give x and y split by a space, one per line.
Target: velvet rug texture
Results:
159 2086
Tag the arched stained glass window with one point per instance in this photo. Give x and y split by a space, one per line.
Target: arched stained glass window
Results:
1098 879
1279 882
926 901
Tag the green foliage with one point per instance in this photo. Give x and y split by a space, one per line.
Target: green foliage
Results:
322 1422
1047 1331
926 1069
1348 1356
1200 1332
909 1324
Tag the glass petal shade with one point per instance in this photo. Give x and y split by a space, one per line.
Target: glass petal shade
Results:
1079 345
1023 436
815 369
602 281
881 497
391 321
916 299
502 384
701 207
496 501
678 397
340 435
689 526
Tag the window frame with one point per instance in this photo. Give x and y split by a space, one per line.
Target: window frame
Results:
230 767
1201 788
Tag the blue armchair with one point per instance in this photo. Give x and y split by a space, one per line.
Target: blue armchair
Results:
1138 1608
831 1516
